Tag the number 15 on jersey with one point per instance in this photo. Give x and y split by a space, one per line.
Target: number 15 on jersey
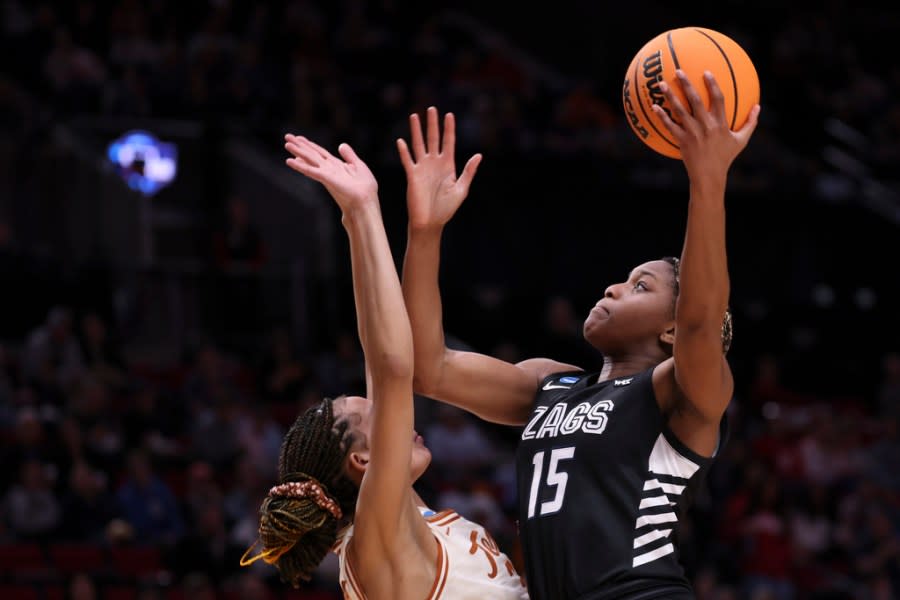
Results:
555 478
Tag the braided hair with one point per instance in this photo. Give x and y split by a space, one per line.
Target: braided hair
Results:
727 330
300 518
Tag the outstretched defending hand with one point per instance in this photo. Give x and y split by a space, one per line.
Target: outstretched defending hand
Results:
349 181
708 145
433 192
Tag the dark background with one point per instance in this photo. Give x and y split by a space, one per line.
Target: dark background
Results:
219 330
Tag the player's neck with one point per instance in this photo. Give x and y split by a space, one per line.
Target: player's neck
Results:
615 368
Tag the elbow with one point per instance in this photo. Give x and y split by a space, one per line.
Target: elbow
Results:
425 381
427 375
422 385
394 365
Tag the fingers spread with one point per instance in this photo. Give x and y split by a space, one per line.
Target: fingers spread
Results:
415 136
448 145
305 168
405 158
465 180
304 152
673 127
690 92
348 154
317 148
750 126
716 98
434 131
679 112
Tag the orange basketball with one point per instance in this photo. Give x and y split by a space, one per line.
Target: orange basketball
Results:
693 50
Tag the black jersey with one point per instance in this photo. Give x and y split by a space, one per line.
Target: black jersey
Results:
602 482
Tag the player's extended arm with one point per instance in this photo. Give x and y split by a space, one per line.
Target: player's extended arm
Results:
385 336
490 388
708 148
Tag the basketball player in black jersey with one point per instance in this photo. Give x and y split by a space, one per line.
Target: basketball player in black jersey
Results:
608 457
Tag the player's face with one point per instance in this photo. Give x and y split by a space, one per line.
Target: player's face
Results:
358 410
634 312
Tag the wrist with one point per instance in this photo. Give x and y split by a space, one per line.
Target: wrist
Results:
367 208
426 230
709 184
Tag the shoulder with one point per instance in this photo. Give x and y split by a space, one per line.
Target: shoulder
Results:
544 368
665 387
563 380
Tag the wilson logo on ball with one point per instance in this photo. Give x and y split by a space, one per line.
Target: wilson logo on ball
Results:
694 50
653 75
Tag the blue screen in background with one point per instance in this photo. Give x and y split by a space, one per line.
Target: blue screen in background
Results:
145 163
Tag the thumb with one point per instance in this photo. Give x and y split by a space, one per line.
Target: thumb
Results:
749 127
465 180
348 154
405 157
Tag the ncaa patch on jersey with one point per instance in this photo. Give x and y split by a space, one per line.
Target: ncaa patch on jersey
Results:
568 379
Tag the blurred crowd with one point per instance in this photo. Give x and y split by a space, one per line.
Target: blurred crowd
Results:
126 478
106 453
353 69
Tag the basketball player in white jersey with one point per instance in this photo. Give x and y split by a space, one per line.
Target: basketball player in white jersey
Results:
347 466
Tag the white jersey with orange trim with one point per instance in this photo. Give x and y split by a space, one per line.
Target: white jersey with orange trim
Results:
470 566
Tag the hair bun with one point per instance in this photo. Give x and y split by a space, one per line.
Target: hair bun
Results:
312 489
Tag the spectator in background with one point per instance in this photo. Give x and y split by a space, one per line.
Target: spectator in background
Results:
75 74
149 592
87 506
211 381
238 244
459 446
198 586
260 436
206 547
811 523
240 254
12 268
148 504
767 545
202 489
214 434
52 357
477 501
342 370
103 356
102 427
251 587
767 393
32 510
889 387
561 336
6 389
877 548
81 587
31 440
150 423
246 492
283 374
882 458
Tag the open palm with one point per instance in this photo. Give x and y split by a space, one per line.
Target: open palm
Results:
349 181
434 192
